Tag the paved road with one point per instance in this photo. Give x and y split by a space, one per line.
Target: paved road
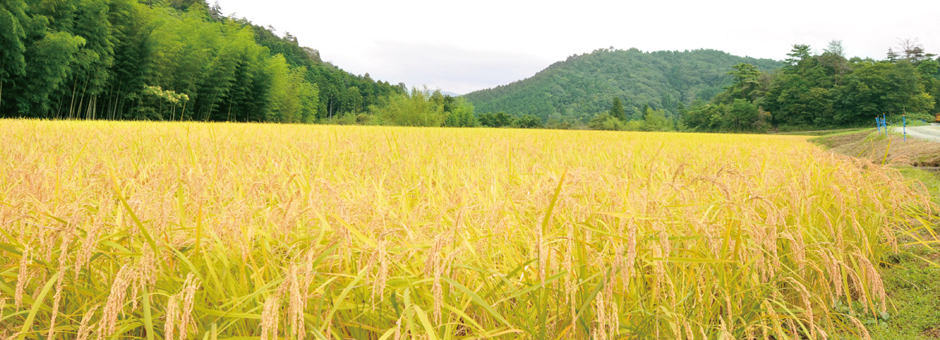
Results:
930 133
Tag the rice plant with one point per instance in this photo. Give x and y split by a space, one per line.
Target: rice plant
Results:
214 231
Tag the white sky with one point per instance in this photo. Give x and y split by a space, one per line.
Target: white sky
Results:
463 46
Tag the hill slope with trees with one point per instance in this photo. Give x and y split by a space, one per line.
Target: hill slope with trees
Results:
824 90
164 60
583 85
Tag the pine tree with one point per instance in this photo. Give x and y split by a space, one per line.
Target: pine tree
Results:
617 111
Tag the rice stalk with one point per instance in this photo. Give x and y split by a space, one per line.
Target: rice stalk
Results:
338 232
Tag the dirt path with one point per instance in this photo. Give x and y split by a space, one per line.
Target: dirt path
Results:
928 133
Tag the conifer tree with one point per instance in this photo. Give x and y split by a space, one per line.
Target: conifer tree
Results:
617 111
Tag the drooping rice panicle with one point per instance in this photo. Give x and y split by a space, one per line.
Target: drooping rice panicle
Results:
189 230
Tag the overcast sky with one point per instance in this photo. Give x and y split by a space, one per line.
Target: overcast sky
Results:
463 46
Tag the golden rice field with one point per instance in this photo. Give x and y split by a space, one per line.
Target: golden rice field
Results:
245 231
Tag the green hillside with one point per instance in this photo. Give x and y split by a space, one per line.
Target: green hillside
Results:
584 85
164 60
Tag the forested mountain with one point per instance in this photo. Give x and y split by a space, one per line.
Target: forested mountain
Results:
164 60
583 85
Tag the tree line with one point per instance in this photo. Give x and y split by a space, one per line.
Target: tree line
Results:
811 91
164 60
823 90
182 60
432 109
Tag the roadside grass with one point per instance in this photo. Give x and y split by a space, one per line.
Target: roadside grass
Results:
911 277
917 122
880 149
912 281
914 295
822 132
931 180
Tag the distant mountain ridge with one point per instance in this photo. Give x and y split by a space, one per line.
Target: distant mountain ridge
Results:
585 84
452 94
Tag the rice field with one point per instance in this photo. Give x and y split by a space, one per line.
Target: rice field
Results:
246 231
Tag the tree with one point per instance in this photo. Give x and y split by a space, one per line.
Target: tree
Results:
655 120
616 110
746 81
310 101
527 122
833 60
605 121
459 113
892 56
799 95
798 54
47 70
914 51
12 34
90 71
740 116
499 119
486 119
409 110
835 48
704 117
354 99
502 119
880 87
286 92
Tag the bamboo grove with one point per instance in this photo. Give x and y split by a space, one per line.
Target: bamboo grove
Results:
156 60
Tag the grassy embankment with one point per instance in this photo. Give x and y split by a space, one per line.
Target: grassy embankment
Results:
912 278
155 230
818 132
